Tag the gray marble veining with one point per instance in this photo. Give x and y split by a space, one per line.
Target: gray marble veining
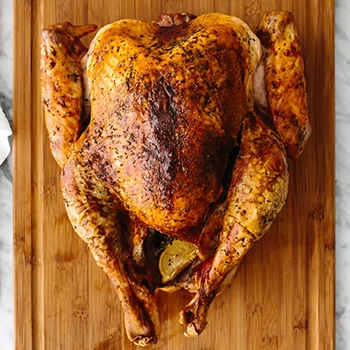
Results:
342 60
6 279
342 55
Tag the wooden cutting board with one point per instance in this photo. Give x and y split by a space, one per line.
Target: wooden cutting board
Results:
283 295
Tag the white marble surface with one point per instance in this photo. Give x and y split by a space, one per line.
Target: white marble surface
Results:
6 288
343 178
342 56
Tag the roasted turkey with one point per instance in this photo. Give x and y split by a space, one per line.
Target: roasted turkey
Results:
177 129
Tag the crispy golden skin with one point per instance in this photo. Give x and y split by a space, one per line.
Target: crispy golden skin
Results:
285 80
62 88
257 193
94 214
167 104
166 107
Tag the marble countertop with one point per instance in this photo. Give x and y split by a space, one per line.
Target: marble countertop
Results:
342 72
342 54
6 279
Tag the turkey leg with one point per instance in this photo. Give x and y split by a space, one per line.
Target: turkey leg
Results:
257 193
94 216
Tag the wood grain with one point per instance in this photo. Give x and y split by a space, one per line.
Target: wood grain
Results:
283 295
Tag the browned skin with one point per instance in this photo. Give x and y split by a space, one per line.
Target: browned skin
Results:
94 214
166 107
213 224
166 111
257 193
285 80
62 88
167 104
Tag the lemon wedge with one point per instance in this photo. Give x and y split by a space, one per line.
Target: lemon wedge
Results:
175 257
